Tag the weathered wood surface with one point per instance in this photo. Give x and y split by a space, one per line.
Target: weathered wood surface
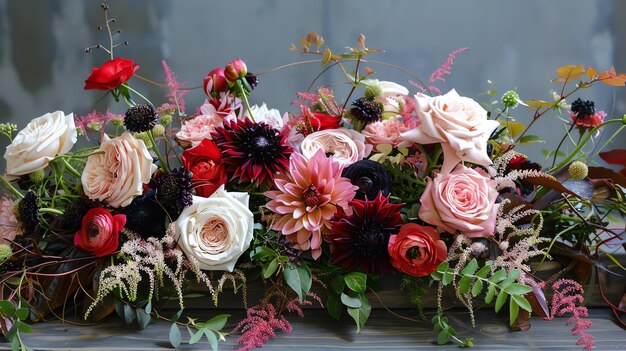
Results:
316 331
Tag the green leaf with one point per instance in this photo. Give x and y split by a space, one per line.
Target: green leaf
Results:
351 301
129 314
7 308
514 273
522 302
436 275
212 339
443 267
23 327
270 268
195 337
21 313
464 284
513 311
506 282
500 300
176 316
356 282
518 289
477 288
334 306
515 128
143 318
216 323
447 278
530 139
471 267
336 285
498 276
361 314
491 291
174 335
299 279
443 337
482 273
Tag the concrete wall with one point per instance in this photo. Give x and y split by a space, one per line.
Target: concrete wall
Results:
513 43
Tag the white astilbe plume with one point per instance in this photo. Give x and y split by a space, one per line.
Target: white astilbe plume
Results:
158 259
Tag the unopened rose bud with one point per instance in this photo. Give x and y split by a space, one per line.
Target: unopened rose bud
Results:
215 82
234 70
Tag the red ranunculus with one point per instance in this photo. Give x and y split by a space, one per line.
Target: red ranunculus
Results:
321 121
416 250
100 232
111 74
205 163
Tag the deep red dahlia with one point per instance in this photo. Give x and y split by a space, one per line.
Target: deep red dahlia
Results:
360 240
252 152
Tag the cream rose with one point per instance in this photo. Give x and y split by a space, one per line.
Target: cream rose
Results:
216 230
345 145
463 200
458 123
118 173
43 139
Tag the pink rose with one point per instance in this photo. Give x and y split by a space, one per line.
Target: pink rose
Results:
462 200
458 123
200 127
118 172
9 227
387 131
345 145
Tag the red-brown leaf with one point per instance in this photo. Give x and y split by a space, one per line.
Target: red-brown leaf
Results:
614 157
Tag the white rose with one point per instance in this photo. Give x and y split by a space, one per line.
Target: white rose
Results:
460 124
216 230
389 89
345 145
43 139
271 117
118 173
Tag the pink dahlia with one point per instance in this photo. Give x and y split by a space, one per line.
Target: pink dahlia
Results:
9 227
307 199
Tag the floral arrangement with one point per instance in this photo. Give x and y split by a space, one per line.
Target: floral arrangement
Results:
316 204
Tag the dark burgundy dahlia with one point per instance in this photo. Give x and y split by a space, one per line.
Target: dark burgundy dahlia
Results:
360 240
252 152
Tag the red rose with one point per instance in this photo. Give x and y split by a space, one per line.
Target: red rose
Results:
416 250
99 234
205 163
321 121
111 74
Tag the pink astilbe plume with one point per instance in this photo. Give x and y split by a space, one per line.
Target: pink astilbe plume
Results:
177 92
441 72
568 298
95 121
260 325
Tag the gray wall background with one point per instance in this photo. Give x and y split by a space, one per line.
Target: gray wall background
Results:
513 43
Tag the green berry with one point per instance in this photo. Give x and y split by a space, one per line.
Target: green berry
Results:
158 130
145 137
37 176
578 170
510 99
373 91
166 119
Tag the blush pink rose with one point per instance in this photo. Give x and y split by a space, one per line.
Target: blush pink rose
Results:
462 200
118 172
346 146
459 123
200 127
387 131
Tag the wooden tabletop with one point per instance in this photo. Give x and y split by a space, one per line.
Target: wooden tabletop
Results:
317 331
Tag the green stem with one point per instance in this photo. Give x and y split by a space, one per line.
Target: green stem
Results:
138 94
581 145
244 95
51 210
156 150
70 169
12 188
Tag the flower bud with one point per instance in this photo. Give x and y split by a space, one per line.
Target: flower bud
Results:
215 82
510 99
37 176
234 70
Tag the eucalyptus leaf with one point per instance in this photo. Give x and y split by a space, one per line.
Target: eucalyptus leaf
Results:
174 335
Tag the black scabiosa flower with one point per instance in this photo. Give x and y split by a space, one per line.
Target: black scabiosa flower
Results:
367 110
27 212
359 240
140 118
252 152
371 178
74 213
145 216
583 107
173 191
252 80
